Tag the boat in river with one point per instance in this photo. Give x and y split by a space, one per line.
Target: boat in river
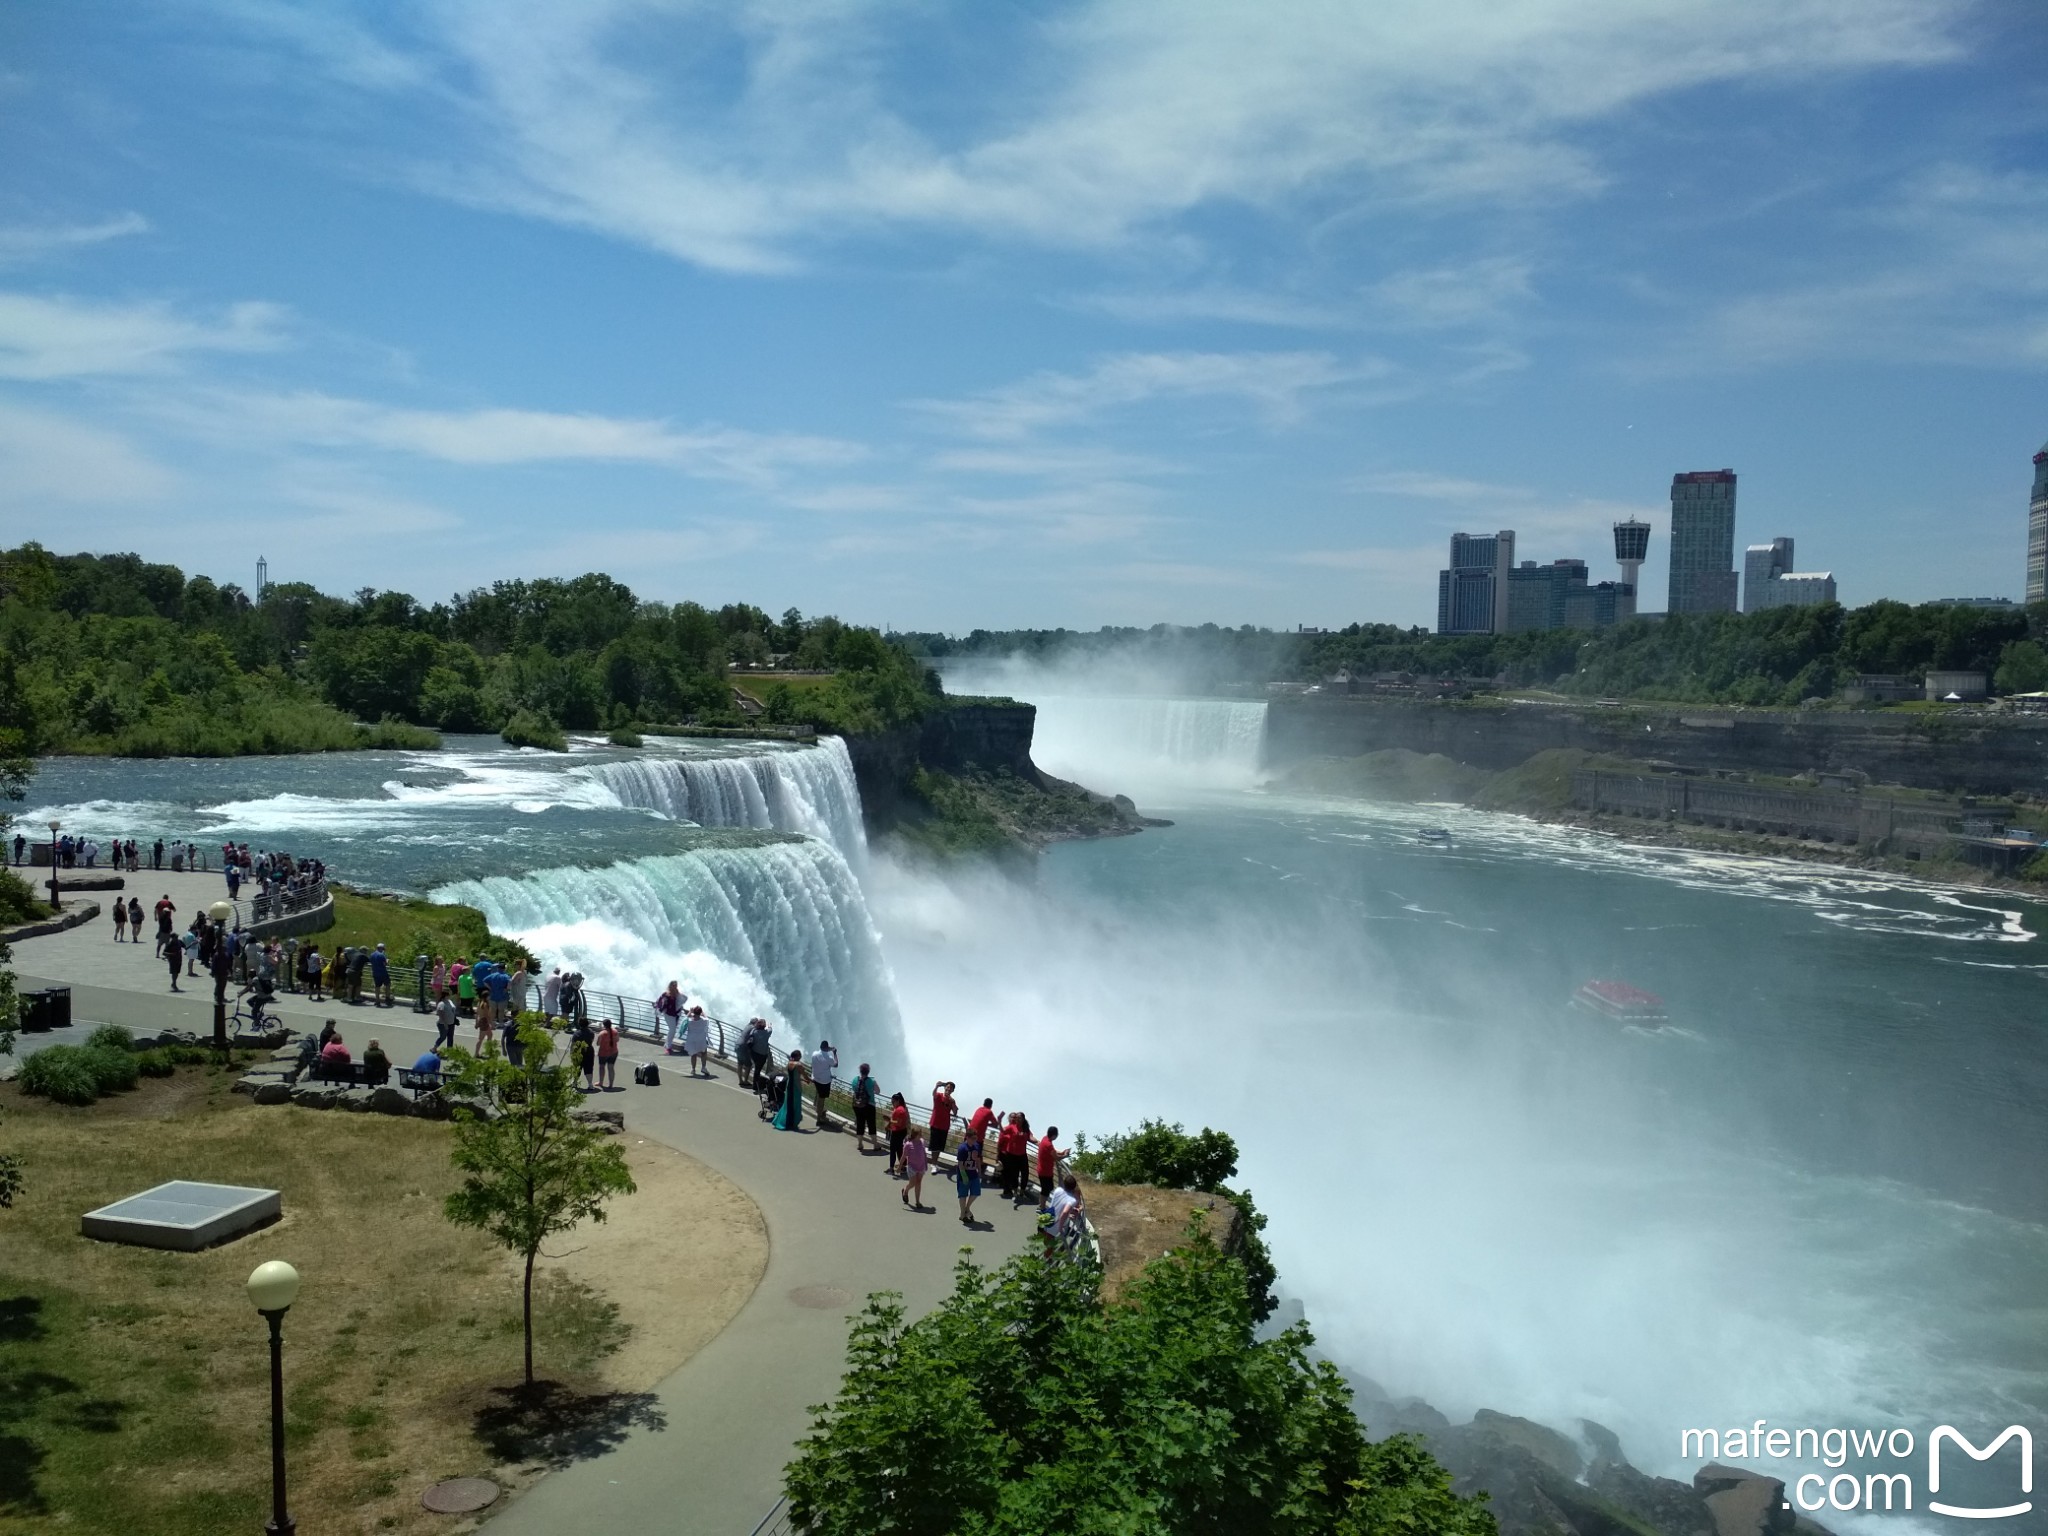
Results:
1621 1002
1434 835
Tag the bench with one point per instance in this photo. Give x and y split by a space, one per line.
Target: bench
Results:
352 1075
419 1083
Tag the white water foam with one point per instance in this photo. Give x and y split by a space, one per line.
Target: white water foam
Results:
809 791
781 930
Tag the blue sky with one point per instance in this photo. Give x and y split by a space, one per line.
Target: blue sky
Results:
997 314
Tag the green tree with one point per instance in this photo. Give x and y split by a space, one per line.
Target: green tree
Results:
2022 668
530 1169
1022 1405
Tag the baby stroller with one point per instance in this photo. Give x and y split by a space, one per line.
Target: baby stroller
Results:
772 1090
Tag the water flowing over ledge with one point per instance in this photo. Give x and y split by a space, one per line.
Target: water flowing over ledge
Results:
810 791
1130 744
781 930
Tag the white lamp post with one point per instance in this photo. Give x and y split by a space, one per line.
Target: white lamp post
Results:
273 1288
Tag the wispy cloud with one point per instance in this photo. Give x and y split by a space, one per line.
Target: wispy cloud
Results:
1275 382
46 457
734 138
19 242
60 338
503 436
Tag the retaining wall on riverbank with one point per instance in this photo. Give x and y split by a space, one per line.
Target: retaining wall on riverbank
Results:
1954 752
1833 816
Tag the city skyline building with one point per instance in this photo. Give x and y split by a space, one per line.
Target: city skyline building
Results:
1472 592
1703 575
2037 531
1761 564
1793 589
1631 549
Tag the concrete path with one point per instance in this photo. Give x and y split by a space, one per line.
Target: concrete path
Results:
836 1231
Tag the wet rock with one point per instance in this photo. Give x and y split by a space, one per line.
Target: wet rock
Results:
1744 1503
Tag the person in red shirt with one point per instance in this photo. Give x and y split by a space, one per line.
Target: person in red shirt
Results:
899 1127
942 1116
1012 1144
979 1122
1049 1155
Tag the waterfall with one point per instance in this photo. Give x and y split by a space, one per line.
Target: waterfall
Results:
779 929
810 791
1134 744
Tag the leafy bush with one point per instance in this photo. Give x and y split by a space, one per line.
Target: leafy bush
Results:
113 1070
1020 1405
110 1037
1160 1154
527 728
156 1063
625 737
61 1074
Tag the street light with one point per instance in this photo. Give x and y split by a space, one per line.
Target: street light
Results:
54 826
273 1287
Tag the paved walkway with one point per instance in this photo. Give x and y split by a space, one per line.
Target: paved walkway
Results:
836 1229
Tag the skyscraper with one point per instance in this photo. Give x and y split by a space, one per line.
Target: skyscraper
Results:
1761 565
2037 532
1472 595
1631 548
1703 542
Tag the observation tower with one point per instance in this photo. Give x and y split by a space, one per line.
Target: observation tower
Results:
1631 548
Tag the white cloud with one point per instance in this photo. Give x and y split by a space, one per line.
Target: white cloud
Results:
26 241
46 458
1464 293
57 338
498 436
728 137
1274 381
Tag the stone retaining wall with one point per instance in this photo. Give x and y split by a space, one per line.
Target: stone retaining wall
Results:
312 920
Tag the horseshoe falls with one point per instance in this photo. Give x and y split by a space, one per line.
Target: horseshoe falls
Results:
777 928
1143 745
808 790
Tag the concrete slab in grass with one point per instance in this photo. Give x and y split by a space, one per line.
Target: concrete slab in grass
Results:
182 1215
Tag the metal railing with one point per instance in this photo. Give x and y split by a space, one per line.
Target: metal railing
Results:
284 903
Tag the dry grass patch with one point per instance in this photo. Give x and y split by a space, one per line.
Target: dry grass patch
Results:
1136 1223
134 1384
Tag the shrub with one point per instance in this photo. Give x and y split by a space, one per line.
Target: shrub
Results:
1160 1154
60 1074
626 737
529 729
156 1063
110 1037
112 1070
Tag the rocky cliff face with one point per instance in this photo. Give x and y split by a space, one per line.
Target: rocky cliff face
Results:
1540 1482
1968 754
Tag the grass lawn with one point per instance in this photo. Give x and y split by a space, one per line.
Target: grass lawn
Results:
408 927
134 1389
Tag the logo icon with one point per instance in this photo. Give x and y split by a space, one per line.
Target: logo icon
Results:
1949 1432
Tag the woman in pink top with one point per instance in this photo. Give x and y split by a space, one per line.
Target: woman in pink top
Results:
608 1056
916 1159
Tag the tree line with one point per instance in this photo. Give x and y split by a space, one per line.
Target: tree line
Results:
112 653
1780 656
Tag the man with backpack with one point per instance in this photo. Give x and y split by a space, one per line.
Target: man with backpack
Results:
864 1091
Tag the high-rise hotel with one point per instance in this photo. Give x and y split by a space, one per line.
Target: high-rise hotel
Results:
1703 575
2037 532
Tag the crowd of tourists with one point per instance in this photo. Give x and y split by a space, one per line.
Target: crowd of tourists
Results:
1025 1166
77 851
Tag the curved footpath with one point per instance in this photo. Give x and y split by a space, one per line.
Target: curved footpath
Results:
735 1409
